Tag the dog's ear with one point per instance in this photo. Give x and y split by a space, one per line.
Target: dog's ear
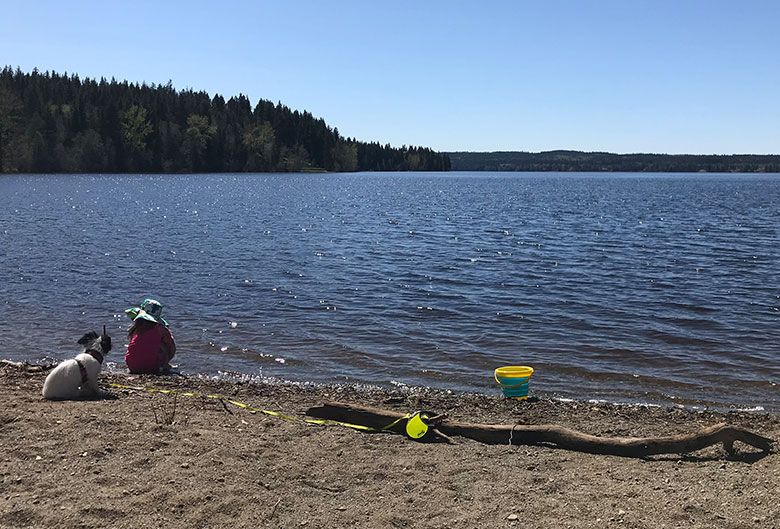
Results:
105 341
87 338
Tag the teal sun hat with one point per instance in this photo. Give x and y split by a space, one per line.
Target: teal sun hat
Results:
150 309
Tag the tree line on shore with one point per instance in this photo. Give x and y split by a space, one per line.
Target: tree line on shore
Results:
60 123
564 161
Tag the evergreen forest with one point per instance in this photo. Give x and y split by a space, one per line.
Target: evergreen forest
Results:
52 123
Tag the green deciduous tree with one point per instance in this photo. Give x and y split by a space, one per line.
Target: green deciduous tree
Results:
345 156
294 159
198 136
259 142
136 128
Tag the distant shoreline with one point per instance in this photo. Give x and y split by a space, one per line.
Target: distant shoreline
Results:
454 170
598 162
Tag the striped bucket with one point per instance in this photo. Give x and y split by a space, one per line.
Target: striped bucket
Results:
514 381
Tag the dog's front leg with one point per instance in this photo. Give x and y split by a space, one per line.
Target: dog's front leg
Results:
89 389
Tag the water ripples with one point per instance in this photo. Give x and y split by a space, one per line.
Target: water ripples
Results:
639 288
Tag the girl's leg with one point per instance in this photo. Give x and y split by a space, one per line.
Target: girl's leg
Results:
162 362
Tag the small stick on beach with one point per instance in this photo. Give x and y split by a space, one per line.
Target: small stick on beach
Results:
222 401
273 511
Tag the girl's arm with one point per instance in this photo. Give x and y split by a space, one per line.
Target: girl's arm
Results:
167 342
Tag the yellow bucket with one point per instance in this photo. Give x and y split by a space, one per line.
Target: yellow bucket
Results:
514 380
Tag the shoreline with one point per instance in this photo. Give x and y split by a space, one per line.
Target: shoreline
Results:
534 392
115 461
230 376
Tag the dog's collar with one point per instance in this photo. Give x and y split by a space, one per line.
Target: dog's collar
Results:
97 355
83 371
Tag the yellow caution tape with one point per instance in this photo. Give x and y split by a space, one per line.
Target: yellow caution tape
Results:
258 410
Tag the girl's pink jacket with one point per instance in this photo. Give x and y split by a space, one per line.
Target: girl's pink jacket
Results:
151 351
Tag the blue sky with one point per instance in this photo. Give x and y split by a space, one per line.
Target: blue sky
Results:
660 76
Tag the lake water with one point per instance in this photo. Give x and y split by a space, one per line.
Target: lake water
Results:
659 289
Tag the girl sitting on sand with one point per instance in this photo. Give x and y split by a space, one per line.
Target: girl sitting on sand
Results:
151 346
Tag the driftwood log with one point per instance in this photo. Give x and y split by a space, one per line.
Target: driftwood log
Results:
24 366
551 434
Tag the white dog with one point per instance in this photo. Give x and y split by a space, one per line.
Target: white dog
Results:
77 378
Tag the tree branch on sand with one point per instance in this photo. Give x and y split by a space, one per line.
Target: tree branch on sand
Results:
551 434
24 366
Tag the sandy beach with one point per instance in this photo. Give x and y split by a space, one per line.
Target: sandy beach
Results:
131 460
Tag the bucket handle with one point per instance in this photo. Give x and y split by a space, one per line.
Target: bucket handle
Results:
509 387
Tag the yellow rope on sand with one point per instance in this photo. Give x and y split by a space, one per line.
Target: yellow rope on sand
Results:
250 408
